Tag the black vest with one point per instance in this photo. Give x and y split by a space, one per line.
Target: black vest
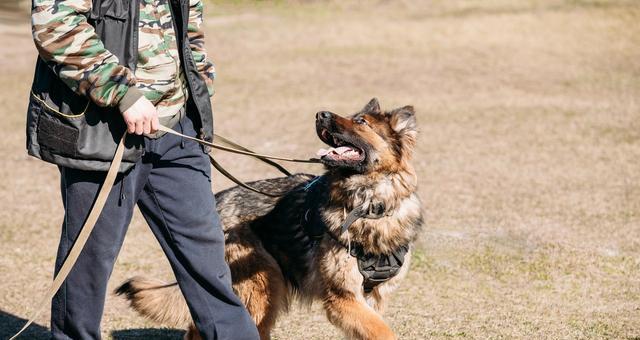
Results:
67 129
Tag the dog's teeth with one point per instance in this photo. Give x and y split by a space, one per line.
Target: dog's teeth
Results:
325 134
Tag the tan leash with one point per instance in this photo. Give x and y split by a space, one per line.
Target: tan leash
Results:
71 259
101 199
238 151
240 147
241 183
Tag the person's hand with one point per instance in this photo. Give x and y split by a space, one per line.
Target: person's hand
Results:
141 117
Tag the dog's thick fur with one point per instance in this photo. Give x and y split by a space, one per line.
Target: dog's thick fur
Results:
272 259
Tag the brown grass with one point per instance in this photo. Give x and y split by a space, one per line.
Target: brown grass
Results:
529 156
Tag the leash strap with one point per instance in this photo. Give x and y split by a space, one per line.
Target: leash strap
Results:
233 150
241 150
90 222
239 182
240 147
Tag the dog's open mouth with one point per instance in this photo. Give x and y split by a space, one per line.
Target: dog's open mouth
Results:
341 150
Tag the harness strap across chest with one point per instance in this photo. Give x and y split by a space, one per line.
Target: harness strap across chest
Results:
374 268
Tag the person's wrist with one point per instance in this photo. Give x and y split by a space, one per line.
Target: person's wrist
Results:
132 96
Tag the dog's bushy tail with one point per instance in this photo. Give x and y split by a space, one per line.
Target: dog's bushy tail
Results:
157 300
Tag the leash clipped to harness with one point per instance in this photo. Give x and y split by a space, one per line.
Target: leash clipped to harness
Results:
109 180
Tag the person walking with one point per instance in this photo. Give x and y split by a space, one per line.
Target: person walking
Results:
107 67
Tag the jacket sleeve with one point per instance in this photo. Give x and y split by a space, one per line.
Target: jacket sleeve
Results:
196 41
70 46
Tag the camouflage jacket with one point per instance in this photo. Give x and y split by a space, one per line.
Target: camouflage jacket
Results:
90 61
70 46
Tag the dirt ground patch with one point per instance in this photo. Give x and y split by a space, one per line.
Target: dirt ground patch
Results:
528 157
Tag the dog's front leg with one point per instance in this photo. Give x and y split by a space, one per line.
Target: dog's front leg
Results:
356 318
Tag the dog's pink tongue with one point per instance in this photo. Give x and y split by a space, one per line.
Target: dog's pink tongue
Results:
342 150
322 152
339 151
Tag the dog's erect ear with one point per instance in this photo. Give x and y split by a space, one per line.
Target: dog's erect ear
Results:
373 107
403 121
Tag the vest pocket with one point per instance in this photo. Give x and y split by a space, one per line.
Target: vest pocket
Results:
50 108
84 140
57 137
58 127
67 129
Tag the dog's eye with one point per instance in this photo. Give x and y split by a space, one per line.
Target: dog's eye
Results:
360 121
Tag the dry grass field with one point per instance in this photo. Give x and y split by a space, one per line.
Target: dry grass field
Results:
528 158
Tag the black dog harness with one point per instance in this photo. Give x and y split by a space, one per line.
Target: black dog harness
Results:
374 268
377 269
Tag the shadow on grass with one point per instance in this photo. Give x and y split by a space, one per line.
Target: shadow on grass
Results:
148 333
11 324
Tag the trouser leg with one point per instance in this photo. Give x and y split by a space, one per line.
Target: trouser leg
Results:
77 307
179 206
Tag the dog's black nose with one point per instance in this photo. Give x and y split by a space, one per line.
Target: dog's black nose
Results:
323 115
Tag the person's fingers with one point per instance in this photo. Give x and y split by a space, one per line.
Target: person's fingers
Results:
131 127
146 126
139 127
155 124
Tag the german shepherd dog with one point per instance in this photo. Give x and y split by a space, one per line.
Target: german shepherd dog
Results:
343 238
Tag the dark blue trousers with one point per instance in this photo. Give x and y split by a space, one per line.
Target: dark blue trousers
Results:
171 185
